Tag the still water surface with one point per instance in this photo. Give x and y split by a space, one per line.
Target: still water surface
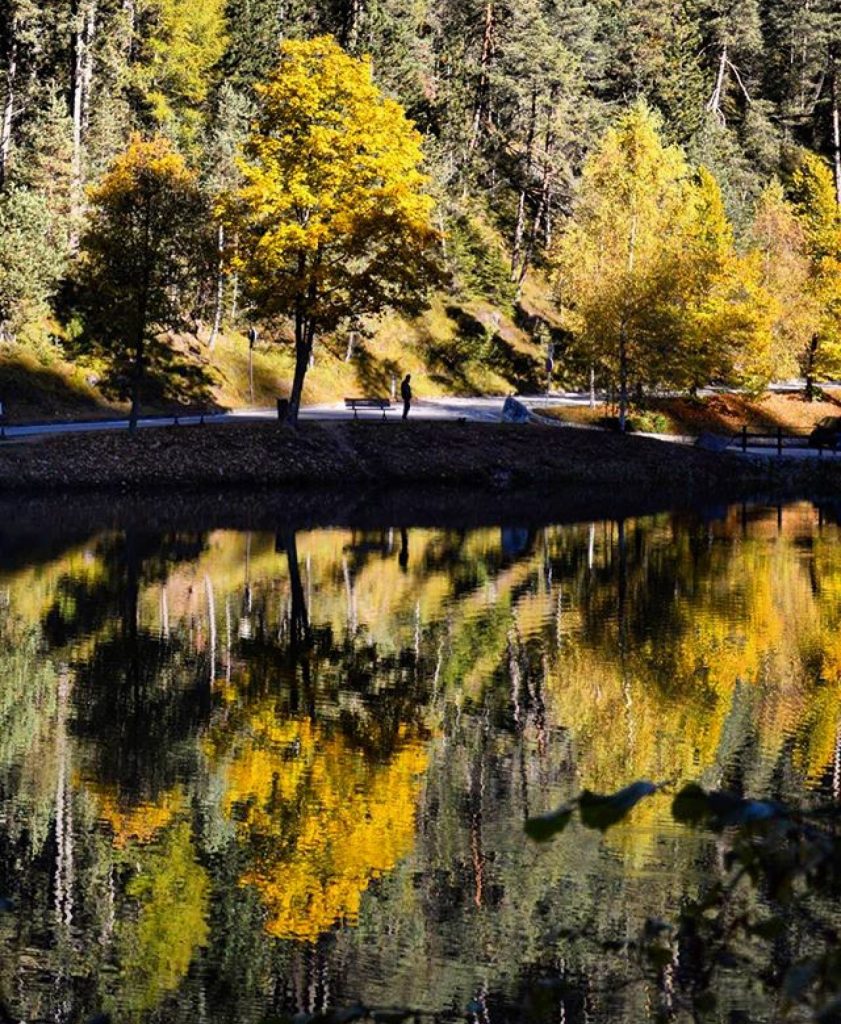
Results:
245 775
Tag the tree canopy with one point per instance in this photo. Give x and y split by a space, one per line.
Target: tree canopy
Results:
144 253
332 220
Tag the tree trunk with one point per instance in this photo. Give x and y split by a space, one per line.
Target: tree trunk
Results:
714 104
623 378
481 106
8 107
353 25
304 332
836 134
220 289
623 331
809 369
83 33
520 223
136 382
250 373
299 626
543 204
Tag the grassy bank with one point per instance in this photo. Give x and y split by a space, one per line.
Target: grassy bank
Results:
462 345
717 414
361 455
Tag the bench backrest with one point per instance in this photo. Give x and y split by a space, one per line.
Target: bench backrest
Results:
367 403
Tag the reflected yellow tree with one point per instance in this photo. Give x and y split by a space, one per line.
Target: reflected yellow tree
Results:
317 818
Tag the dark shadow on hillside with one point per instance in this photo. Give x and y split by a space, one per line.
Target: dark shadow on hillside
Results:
32 393
480 343
173 380
374 375
448 362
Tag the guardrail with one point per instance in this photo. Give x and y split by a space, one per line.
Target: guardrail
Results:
780 440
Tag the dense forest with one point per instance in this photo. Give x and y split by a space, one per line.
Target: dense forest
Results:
650 189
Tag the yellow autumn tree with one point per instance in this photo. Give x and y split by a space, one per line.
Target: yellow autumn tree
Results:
159 938
319 821
779 240
646 268
717 323
333 217
633 199
813 194
145 251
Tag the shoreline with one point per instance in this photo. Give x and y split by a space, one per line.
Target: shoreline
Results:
350 457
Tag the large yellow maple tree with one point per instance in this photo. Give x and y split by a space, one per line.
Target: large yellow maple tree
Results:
333 215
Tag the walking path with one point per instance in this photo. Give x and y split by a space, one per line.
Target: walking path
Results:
488 410
482 410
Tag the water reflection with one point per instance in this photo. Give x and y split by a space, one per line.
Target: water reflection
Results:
243 775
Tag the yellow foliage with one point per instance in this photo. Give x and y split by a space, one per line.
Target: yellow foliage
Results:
135 823
646 267
182 42
319 819
172 891
333 217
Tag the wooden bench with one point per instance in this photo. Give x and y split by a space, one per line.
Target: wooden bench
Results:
367 403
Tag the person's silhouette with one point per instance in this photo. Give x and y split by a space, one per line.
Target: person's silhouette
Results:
403 557
406 394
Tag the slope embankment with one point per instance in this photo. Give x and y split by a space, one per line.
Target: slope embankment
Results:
368 455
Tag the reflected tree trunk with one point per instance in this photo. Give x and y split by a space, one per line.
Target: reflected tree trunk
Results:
300 633
63 811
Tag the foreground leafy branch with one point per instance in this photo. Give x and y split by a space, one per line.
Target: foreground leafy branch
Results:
772 910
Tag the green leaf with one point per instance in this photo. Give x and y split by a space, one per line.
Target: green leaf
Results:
691 805
719 809
544 826
602 812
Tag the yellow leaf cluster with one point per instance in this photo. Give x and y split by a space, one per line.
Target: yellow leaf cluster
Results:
333 217
319 820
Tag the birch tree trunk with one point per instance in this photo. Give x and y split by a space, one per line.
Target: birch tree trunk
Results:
220 289
836 134
9 106
520 223
481 105
83 37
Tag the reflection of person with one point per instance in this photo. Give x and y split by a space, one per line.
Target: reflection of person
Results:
406 394
403 557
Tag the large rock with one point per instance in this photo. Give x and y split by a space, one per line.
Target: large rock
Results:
514 411
712 442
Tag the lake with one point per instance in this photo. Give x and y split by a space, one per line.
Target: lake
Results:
246 775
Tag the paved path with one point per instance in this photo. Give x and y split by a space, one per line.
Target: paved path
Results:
487 410
476 410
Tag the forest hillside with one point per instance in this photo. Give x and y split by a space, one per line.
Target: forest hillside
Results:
645 190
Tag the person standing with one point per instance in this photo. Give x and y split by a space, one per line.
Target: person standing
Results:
406 394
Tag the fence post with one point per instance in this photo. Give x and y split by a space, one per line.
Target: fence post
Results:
779 440
744 439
